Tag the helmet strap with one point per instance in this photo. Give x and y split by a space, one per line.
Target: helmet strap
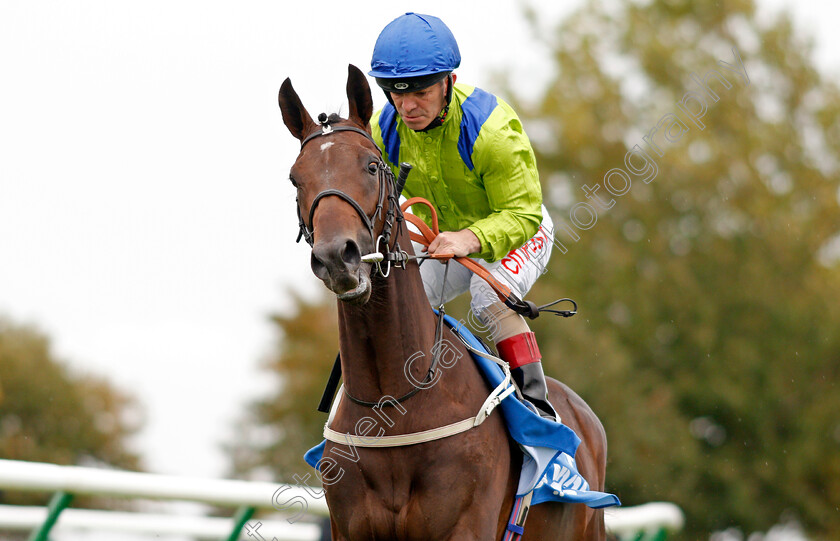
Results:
438 121
388 95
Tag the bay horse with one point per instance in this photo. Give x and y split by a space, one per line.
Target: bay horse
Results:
456 488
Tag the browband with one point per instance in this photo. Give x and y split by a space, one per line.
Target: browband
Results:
326 129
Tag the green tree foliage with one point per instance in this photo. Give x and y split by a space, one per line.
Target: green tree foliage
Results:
49 414
707 336
279 429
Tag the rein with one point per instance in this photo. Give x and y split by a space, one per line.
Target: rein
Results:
511 300
389 190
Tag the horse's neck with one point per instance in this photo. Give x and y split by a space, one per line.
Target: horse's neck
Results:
378 339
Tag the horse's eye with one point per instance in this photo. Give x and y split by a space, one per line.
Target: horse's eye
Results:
373 167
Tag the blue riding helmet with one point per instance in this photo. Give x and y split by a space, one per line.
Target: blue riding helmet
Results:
413 52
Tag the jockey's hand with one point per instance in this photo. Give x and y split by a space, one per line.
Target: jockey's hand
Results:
461 243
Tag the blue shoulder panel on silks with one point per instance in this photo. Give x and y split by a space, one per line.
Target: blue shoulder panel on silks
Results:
548 465
477 109
390 137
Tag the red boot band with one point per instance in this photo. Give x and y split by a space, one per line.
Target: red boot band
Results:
519 349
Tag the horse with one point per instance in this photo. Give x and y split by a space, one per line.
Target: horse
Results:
460 487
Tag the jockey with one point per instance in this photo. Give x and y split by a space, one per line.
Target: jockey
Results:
473 161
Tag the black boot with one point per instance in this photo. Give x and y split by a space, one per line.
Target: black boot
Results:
531 382
523 355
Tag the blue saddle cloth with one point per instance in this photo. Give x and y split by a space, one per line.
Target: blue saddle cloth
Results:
548 466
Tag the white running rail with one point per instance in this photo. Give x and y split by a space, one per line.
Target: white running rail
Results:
648 521
21 518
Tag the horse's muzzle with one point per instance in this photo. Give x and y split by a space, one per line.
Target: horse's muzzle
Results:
338 263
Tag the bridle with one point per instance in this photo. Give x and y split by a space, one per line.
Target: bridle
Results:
389 190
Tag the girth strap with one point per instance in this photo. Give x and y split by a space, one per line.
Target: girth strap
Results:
516 524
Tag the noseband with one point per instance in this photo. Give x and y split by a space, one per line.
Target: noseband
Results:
388 190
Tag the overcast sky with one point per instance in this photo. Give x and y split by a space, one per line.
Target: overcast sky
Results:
146 223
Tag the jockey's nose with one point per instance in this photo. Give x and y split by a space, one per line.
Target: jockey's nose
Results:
336 262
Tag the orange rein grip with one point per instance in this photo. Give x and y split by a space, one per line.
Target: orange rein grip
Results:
427 235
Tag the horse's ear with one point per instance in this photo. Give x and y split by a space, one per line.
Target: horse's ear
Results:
358 94
295 116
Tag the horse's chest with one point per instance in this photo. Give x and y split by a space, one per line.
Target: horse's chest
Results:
400 511
413 521
404 500
426 492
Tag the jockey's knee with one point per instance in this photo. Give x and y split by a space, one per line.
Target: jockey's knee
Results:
501 322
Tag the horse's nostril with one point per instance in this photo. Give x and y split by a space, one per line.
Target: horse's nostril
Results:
351 255
333 260
318 267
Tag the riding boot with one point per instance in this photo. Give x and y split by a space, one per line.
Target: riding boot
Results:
522 354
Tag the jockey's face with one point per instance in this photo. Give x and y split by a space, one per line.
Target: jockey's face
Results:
419 109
